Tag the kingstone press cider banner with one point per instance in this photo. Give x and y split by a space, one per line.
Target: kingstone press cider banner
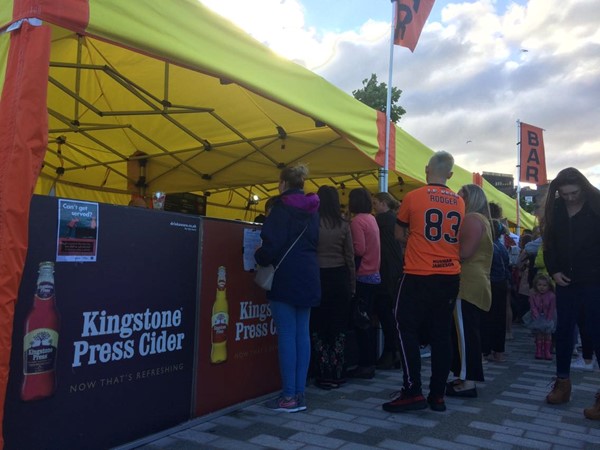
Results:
104 345
237 348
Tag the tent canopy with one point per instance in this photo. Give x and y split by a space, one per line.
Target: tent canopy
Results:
144 98
210 109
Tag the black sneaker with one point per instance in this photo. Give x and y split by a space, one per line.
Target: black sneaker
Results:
405 402
436 403
284 404
326 384
366 373
455 389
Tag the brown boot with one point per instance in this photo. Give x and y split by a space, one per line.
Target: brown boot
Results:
560 393
593 412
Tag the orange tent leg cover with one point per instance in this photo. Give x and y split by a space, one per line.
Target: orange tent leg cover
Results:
380 157
23 141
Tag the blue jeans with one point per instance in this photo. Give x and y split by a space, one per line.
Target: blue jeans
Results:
293 339
569 301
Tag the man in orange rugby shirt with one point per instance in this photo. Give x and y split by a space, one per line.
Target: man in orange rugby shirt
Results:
428 222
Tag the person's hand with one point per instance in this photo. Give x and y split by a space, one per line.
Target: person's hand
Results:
561 279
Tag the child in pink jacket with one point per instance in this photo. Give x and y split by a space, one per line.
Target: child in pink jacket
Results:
542 302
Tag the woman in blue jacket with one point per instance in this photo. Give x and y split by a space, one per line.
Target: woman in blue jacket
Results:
296 285
493 322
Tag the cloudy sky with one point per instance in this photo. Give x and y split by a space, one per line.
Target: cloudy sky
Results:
479 66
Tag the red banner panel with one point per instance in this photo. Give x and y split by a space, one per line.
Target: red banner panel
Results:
410 20
237 345
533 157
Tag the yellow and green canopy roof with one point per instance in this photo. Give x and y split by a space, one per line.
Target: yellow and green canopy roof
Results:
173 93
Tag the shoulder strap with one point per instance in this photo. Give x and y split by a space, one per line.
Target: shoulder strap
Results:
291 246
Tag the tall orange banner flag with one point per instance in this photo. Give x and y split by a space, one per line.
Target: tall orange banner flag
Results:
411 16
533 155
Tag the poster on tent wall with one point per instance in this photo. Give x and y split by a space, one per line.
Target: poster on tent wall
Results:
77 231
103 353
237 343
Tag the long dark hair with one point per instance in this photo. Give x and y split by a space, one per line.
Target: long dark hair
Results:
359 201
568 176
330 210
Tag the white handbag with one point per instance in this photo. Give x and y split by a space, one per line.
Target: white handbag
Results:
264 276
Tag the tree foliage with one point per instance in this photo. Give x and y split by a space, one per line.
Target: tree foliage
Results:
374 94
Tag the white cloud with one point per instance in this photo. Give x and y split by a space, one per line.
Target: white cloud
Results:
468 78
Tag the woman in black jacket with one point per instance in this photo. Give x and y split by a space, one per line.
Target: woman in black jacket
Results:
386 207
572 257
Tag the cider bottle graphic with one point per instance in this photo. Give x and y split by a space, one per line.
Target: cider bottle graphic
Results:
40 343
220 320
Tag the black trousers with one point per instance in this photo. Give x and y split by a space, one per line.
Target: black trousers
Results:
493 322
587 345
385 314
520 305
466 342
426 302
366 340
331 317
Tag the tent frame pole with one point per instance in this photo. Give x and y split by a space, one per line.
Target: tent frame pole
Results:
518 177
384 171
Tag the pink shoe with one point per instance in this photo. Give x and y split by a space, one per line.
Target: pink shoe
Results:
547 347
539 349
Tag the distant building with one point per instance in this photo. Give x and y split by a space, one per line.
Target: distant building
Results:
534 198
528 196
502 181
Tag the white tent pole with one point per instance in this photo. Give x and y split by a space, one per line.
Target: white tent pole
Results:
518 177
384 171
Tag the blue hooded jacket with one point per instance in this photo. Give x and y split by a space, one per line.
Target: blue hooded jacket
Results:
297 279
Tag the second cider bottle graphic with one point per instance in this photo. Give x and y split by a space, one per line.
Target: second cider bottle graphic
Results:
220 320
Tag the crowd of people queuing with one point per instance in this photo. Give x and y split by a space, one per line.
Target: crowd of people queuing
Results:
440 269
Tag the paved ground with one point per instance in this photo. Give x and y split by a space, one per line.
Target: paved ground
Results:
510 413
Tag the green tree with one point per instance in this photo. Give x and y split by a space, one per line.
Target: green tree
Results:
374 94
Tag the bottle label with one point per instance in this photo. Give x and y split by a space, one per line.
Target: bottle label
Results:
220 321
39 348
45 290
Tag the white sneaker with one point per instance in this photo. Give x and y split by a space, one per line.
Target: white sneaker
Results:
580 364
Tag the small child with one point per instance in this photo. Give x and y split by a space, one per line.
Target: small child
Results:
542 302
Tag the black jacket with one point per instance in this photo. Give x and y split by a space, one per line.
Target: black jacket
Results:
574 246
390 267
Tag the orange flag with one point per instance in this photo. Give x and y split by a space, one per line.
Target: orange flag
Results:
411 16
533 158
